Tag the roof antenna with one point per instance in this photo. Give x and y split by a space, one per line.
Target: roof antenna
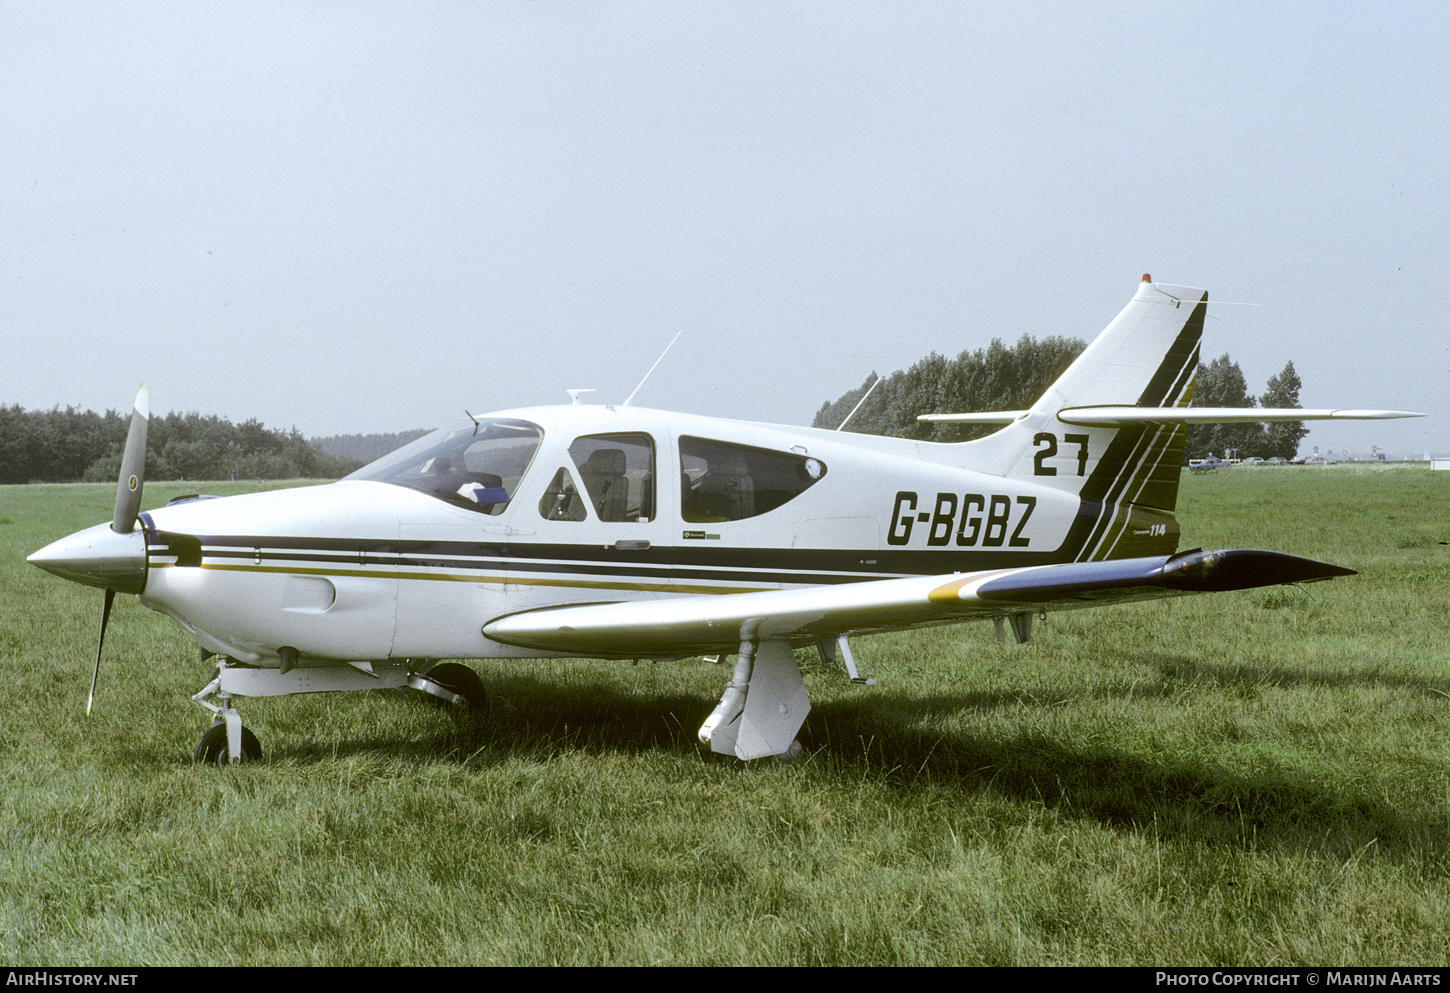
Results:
476 422
858 403
652 368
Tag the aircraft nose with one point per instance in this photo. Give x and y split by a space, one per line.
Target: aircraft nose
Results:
97 557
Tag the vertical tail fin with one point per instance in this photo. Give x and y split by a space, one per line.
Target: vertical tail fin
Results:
1111 429
1126 474
1145 358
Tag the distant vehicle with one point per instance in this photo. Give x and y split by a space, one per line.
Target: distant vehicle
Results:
1209 464
1315 460
1277 461
1252 461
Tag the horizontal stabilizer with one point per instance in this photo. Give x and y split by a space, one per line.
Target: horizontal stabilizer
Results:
1125 416
718 624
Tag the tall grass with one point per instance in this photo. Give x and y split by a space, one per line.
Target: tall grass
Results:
1257 778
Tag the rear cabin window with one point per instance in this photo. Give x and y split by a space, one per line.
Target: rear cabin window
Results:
720 481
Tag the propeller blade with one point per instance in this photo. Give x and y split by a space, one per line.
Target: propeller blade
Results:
96 673
133 466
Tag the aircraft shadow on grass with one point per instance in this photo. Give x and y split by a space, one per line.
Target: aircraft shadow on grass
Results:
1181 669
885 740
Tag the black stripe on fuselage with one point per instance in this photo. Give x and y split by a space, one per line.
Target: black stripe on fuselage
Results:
523 560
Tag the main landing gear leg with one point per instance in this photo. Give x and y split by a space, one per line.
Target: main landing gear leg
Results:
841 649
763 706
1021 623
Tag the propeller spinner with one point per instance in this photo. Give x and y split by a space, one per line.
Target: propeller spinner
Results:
109 556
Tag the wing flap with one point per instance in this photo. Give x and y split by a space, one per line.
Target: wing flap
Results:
717 624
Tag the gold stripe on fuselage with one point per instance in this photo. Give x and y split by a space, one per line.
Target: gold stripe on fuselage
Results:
657 587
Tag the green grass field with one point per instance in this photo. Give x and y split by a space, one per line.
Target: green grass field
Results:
1254 778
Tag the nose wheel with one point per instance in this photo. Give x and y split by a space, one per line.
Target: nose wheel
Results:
226 742
212 748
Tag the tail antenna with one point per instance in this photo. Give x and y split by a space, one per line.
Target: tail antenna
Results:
652 368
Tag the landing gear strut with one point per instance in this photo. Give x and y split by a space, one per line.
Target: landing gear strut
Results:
226 742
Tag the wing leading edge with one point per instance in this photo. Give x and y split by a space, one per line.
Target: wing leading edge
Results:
718 624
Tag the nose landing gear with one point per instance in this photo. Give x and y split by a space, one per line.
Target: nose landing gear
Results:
226 742
449 684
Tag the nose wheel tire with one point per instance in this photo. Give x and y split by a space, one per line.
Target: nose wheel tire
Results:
212 748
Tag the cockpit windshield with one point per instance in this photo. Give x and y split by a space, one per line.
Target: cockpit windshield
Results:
474 466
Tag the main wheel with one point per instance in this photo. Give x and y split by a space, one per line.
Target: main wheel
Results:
212 748
793 753
451 683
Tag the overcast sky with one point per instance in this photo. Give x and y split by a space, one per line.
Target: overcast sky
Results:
353 217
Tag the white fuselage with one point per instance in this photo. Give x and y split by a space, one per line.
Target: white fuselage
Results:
367 570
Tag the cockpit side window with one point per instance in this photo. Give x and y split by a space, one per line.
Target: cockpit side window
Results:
720 481
618 473
562 500
478 466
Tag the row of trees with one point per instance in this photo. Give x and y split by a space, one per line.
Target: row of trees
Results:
1001 378
70 445
1221 384
365 448
993 378
64 446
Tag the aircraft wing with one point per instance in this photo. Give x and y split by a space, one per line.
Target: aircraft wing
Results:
698 625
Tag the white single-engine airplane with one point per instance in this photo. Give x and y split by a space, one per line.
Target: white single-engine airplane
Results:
619 532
